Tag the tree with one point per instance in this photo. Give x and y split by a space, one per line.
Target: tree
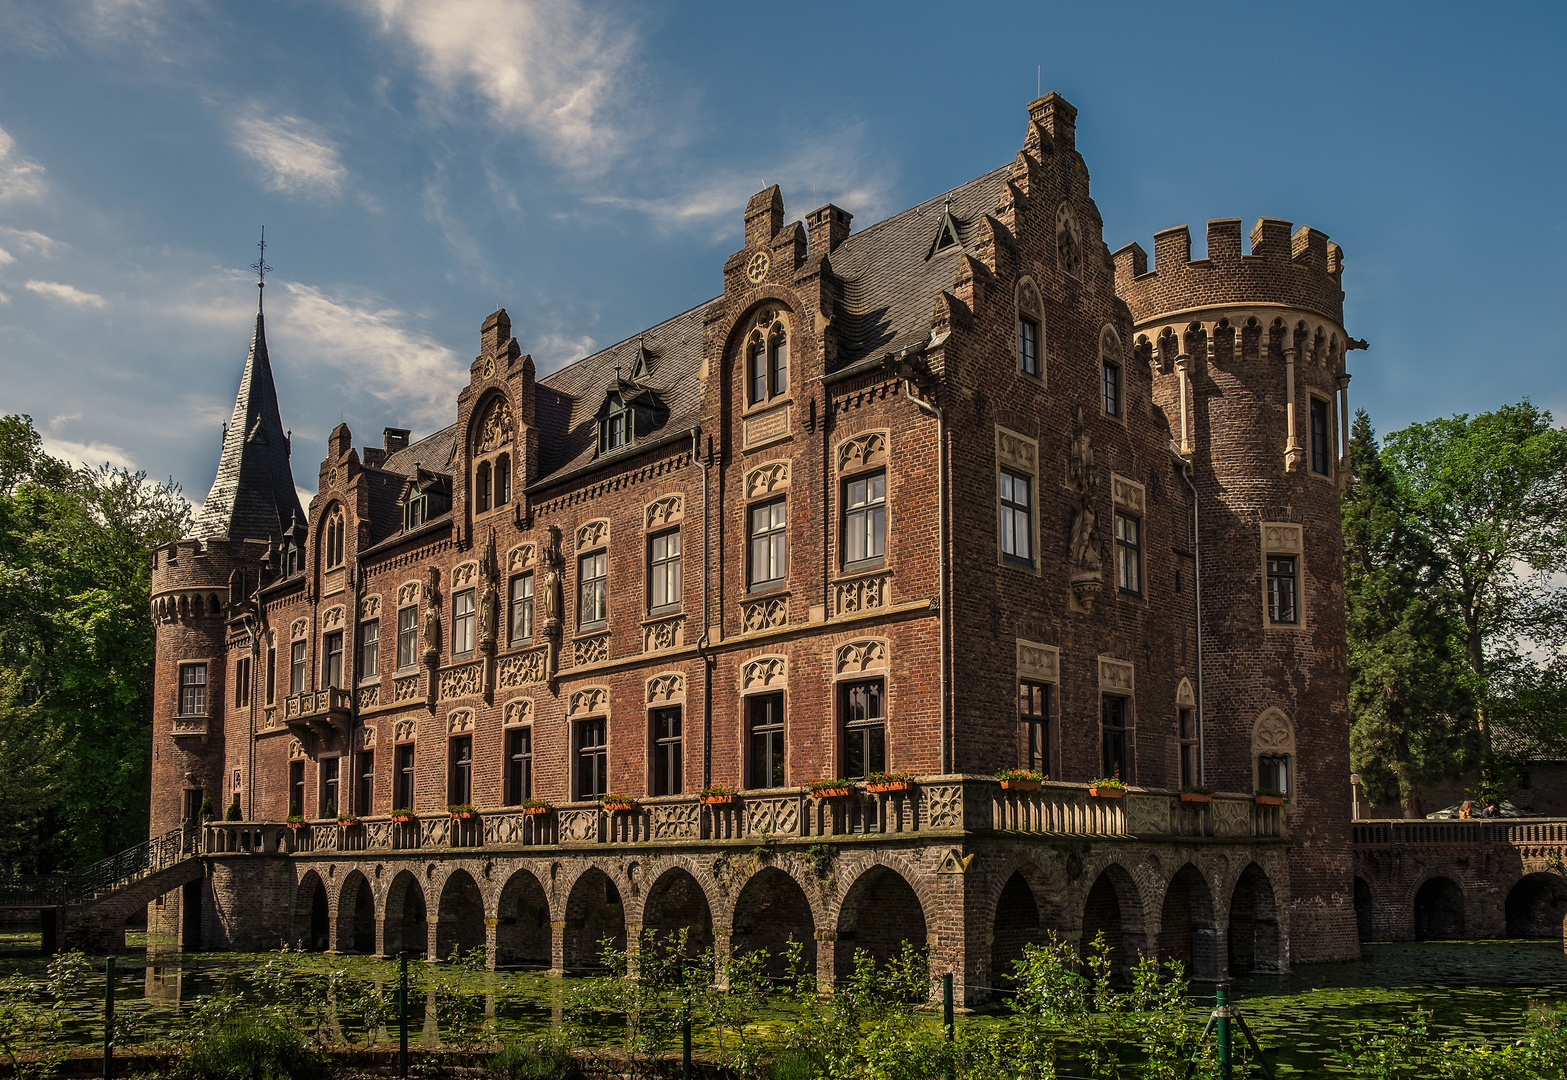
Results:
76 643
1409 704
1489 493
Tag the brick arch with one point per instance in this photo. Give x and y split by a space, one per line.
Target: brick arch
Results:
312 914
1188 922
404 915
1019 906
882 888
460 913
738 330
676 899
594 908
354 914
522 915
1254 915
1446 927
725 910
650 872
1115 904
767 911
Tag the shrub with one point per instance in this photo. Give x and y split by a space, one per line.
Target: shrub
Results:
247 1048
547 1057
233 813
796 1063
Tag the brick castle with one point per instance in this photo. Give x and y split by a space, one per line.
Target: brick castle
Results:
958 493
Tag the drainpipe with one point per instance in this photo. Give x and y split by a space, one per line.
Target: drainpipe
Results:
941 550
1186 474
701 644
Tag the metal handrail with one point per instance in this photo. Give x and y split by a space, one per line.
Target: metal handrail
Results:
107 875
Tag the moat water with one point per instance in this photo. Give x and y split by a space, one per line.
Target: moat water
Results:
1473 990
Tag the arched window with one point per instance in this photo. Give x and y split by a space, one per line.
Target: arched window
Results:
1273 753
481 487
767 360
332 540
778 362
502 480
756 371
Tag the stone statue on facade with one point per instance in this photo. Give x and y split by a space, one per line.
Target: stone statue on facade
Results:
1084 564
554 565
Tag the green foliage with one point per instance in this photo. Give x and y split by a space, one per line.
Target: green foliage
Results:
547 1057
248 1047
76 649
233 813
34 1015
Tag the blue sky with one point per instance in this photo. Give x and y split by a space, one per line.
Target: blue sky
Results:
419 162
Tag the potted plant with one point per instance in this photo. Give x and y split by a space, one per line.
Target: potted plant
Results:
402 815
233 813
1269 797
330 810
614 801
462 812
345 819
295 821
717 795
830 789
534 806
1197 793
1020 779
889 781
207 812
1109 787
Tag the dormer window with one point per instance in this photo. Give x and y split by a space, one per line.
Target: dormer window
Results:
416 511
629 412
617 427
428 497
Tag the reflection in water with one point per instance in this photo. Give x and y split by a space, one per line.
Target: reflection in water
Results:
163 984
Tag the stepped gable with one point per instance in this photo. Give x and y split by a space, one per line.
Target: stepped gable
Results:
566 403
253 496
891 277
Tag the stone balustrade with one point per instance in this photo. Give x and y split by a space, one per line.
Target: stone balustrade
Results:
1515 831
939 804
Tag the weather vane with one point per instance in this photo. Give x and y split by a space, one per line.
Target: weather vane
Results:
260 265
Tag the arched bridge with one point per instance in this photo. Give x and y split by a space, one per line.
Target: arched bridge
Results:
1489 878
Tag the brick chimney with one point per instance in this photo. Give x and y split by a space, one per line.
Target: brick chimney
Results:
828 226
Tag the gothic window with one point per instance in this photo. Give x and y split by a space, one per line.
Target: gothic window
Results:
364 799
403 777
296 668
777 362
1273 750
332 536
767 364
1027 345
481 487
296 787
1033 714
327 789
242 682
492 442
1186 732
503 480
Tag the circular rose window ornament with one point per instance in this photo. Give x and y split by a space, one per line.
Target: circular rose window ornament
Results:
756 269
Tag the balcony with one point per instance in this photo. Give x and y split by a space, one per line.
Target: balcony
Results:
934 806
318 711
185 724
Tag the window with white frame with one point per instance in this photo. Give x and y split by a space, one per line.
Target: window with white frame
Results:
768 544
193 689
592 589
1016 509
864 519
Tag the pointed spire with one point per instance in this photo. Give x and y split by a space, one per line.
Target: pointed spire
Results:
253 497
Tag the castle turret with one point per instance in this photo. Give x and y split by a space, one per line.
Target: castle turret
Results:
1247 356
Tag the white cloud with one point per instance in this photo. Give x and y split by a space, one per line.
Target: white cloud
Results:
6 257
68 293
374 350
5 298
35 242
550 68
91 454
552 352
298 157
19 177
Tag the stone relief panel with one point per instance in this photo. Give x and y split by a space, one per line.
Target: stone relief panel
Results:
1281 536
863 450
780 814
366 739
464 681
590 650
663 634
459 721
1231 817
403 731
518 711
1184 696
764 672
860 656
465 574
589 701
1016 451
592 534
765 614
764 427
332 618
1069 242
1126 492
1273 734
406 689
1038 661
666 687
767 477
495 430
1115 675
666 511
861 594
295 748
408 593
368 697
299 628
520 558
1148 814
520 669
578 826
941 805
370 607
676 821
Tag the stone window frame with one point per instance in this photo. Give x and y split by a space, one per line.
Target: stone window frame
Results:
516 715
861 659
1027 305
663 514
1275 739
854 457
584 704
206 686
1330 449
771 323
665 690
1112 355
472 617
765 673
491 461
1284 538
333 525
1018 454
405 734
1038 662
1186 701
1118 678
1128 498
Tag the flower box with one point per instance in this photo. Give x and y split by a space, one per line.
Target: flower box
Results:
465 815
531 810
346 822
295 824
1196 797
615 807
887 786
832 792
402 819
1269 800
718 800
1020 785
1105 792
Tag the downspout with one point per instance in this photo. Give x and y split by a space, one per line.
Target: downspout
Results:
941 565
1186 474
701 643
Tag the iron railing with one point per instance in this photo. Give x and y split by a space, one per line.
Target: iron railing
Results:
115 872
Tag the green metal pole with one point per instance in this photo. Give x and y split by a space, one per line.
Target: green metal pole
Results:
946 1018
1222 1014
108 1018
685 1026
402 1014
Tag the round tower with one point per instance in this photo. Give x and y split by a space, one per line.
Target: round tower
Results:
1247 354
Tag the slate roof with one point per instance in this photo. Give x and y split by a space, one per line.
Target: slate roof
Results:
253 497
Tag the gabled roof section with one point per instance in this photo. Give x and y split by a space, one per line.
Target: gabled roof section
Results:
946 233
253 497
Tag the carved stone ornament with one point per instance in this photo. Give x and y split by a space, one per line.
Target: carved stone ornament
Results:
670 686
861 594
1273 733
1037 661
464 681
778 816
519 711
862 450
765 614
1015 450
408 593
488 370
405 689
763 672
299 628
370 607
519 558
464 574
1027 298
404 731
1115 675
1069 242
459 721
521 669
1281 537
590 650
1084 551
295 748
366 738
367 697
676 821
592 534
858 656
756 267
589 701
432 579
495 429
663 634
767 477
1185 698
665 511
332 617
1126 492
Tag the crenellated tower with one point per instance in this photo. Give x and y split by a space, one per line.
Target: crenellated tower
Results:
1247 354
